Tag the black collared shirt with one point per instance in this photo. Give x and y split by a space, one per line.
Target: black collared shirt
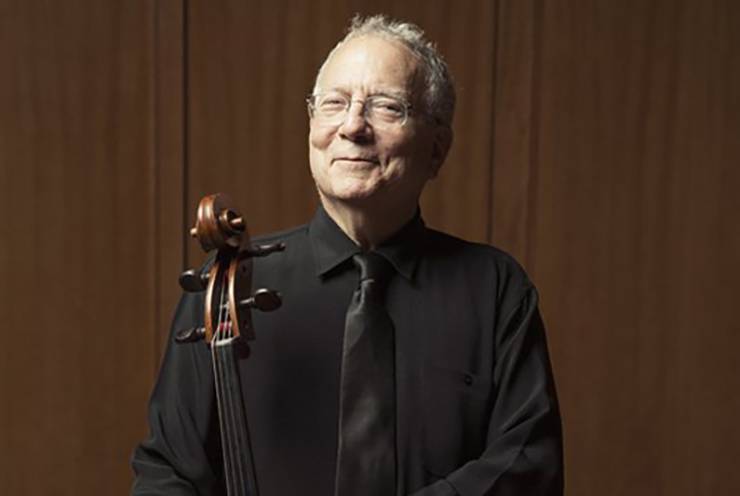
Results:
477 411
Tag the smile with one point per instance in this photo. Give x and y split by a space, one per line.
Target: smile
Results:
358 160
356 163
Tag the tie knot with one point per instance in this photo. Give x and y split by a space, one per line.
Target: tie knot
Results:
373 267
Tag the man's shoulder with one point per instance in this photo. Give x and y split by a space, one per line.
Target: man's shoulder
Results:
296 253
480 260
445 244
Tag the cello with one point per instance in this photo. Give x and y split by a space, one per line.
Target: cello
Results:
227 326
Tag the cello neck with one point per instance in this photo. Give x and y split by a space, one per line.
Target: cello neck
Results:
239 472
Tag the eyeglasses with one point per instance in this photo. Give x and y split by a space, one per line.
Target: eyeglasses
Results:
380 111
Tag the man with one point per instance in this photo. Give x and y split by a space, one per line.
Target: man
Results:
464 405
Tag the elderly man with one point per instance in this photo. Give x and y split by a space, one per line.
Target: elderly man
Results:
442 387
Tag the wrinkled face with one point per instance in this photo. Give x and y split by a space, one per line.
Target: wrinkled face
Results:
351 161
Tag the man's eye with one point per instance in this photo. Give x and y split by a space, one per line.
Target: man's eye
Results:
389 107
332 103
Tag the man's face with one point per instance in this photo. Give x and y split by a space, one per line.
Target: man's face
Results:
354 162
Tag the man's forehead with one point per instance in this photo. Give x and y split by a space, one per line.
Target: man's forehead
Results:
370 61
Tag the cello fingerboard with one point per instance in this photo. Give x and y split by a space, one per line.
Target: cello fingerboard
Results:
239 469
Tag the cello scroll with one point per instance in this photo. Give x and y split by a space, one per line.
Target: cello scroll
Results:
228 326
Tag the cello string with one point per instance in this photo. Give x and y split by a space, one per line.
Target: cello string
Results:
221 392
219 402
226 377
232 437
232 460
219 387
234 402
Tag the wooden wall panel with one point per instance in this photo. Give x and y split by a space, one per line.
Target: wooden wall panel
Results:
169 155
252 63
79 242
625 175
596 141
513 134
247 81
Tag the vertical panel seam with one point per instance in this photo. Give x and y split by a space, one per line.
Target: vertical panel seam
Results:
185 129
494 94
530 220
156 164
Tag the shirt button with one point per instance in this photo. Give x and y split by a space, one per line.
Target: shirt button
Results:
468 379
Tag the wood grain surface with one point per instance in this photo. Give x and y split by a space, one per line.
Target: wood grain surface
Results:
615 183
78 243
596 141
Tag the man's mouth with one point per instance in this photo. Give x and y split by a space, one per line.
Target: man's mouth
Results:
359 160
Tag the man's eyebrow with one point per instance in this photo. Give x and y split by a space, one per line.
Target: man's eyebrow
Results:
399 94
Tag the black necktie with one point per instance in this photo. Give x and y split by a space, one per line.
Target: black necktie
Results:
366 453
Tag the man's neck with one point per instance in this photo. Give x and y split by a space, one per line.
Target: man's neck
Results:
368 227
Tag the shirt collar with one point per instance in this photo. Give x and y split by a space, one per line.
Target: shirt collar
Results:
332 247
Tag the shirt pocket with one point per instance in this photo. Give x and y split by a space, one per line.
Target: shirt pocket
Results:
457 406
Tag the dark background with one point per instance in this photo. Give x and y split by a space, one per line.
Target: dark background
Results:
597 141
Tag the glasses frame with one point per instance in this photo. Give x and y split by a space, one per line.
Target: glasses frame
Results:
408 107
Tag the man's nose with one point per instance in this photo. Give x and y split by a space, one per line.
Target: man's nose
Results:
355 123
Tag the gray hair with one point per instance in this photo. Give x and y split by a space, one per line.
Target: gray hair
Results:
439 94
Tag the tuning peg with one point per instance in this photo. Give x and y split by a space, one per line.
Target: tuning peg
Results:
263 299
193 280
263 250
190 335
235 221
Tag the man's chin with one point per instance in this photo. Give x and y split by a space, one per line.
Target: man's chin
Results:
354 197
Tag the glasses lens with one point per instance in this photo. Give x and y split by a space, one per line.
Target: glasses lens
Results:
386 111
380 111
330 108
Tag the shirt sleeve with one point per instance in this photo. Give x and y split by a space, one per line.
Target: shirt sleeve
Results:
523 454
180 456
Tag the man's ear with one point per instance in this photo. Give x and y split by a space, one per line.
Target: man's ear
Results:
440 146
